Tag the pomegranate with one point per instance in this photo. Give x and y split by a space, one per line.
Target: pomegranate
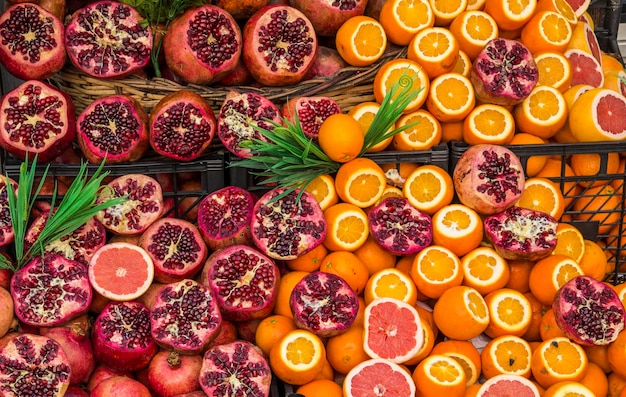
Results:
121 336
148 297
120 386
327 62
191 192
50 290
6 224
176 248
521 234
182 126
240 75
170 374
6 274
102 372
143 206
203 44
114 128
79 246
185 317
504 72
589 311
235 369
399 227
246 330
33 366
244 282
107 39
241 9
224 217
31 42
327 16
6 311
287 225
227 334
310 111
38 119
76 343
279 45
56 7
324 304
488 178
239 114
75 391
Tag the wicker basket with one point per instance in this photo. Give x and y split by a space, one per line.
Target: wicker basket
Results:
348 87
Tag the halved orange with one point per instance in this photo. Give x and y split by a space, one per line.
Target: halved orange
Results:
506 354
446 10
435 270
463 64
429 188
422 136
435 48
510 313
558 359
347 227
461 313
404 71
489 124
546 31
323 189
473 30
541 194
438 375
298 357
360 182
364 113
551 273
451 97
485 270
465 353
542 113
458 228
563 7
361 40
390 283
554 70
568 388
510 14
570 241
402 19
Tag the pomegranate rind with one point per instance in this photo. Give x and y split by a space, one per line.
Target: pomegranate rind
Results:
33 362
488 178
244 282
6 225
399 227
286 227
324 304
236 368
369 376
185 317
311 112
521 234
589 311
50 290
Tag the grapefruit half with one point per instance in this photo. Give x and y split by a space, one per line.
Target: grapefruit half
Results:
372 376
585 68
598 115
508 385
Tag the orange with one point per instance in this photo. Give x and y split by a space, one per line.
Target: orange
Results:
546 31
404 71
549 274
348 266
610 62
374 257
541 194
390 283
597 354
309 261
393 330
555 170
345 351
617 385
574 91
323 189
509 313
616 354
548 326
361 40
463 64
402 19
554 69
473 29
364 113
599 204
475 5
271 329
570 242
534 164
341 147
427 346
542 113
519 271
360 314
558 359
568 388
563 7
465 353
438 375
375 374
422 136
446 10
435 269
615 80
435 48
360 182
285 286
451 97
533 333
320 388
298 357
593 262
595 380
327 372
489 123
347 227
506 354
621 292
594 165
485 270
461 313
510 14
590 119
405 263
429 188
458 228
121 280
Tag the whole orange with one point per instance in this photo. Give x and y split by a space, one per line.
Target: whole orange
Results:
340 137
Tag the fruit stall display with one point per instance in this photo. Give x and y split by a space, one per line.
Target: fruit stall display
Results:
281 198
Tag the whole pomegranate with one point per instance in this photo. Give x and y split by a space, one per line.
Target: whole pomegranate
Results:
120 386
203 44
107 39
327 16
488 178
327 62
31 42
102 372
6 311
171 374
38 119
279 45
76 343
241 9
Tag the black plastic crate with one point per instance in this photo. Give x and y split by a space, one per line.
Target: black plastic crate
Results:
438 155
606 15
614 240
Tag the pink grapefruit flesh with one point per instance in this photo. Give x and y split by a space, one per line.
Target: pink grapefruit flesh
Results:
508 386
375 376
585 68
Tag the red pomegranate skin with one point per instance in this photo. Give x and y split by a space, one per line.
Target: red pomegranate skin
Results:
120 386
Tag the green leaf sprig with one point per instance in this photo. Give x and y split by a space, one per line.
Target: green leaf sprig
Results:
291 160
84 199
